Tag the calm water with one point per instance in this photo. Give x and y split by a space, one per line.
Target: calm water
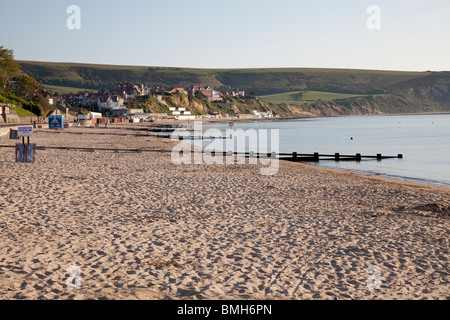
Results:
424 141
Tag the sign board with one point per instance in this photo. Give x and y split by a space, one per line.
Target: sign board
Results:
231 124
25 132
56 122
25 153
13 134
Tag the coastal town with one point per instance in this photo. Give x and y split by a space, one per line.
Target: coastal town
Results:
128 101
115 102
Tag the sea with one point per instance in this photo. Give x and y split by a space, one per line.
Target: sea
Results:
423 140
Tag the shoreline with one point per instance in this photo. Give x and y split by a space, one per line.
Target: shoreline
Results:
391 178
411 182
398 177
274 119
235 119
371 175
383 178
225 120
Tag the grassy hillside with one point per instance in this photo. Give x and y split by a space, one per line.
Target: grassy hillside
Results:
21 112
93 76
24 107
286 91
63 90
304 97
260 81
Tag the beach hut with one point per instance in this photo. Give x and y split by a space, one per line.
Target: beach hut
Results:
94 115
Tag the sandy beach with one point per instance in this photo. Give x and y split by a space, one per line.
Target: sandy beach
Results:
137 226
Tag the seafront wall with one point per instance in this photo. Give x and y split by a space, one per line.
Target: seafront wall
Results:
5 130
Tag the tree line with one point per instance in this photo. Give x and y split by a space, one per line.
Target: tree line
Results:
18 88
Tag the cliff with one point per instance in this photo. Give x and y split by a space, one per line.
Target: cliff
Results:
198 106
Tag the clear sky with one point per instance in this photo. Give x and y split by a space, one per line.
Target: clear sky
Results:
413 35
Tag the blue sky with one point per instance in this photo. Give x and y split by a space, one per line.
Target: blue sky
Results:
413 36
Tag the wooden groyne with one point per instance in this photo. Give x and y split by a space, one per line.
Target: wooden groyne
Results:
315 157
97 132
294 156
291 156
168 136
167 129
307 157
92 149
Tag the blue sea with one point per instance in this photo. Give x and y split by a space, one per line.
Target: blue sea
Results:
424 141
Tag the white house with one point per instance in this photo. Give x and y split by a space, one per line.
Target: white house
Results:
181 113
216 96
257 114
110 102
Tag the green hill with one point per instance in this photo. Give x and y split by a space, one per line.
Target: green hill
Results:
304 97
259 81
293 91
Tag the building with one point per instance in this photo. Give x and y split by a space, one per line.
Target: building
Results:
94 115
216 96
110 101
181 113
130 91
89 100
80 99
157 89
257 114
55 101
212 115
207 91
178 90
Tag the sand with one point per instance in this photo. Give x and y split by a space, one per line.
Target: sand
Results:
137 226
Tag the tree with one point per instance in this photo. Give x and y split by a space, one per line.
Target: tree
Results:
44 103
199 95
8 67
27 86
